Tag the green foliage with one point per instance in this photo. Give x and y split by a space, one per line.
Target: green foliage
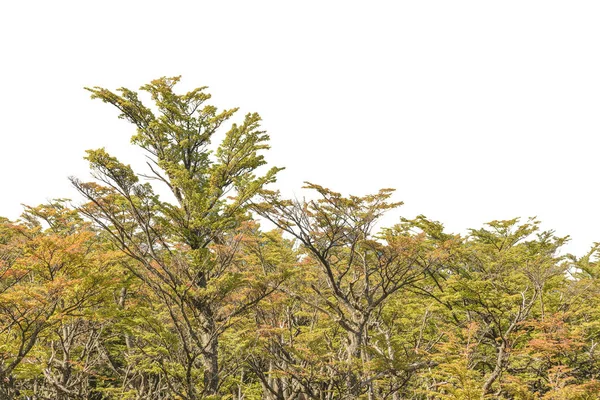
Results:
134 296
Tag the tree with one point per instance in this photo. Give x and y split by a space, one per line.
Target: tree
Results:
52 276
359 272
497 283
184 250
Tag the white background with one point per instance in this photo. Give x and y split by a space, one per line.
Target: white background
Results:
472 110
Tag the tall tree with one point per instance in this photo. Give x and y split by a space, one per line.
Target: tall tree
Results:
183 250
360 271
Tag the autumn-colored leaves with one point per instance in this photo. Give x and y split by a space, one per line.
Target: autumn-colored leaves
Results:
127 295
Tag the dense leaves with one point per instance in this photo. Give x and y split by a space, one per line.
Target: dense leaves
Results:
162 284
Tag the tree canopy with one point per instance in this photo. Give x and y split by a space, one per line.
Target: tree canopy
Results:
164 284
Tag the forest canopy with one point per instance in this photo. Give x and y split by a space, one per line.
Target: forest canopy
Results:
162 283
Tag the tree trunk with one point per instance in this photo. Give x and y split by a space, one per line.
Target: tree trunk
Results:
500 360
210 356
354 349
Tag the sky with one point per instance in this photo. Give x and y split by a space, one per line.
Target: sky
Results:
472 110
